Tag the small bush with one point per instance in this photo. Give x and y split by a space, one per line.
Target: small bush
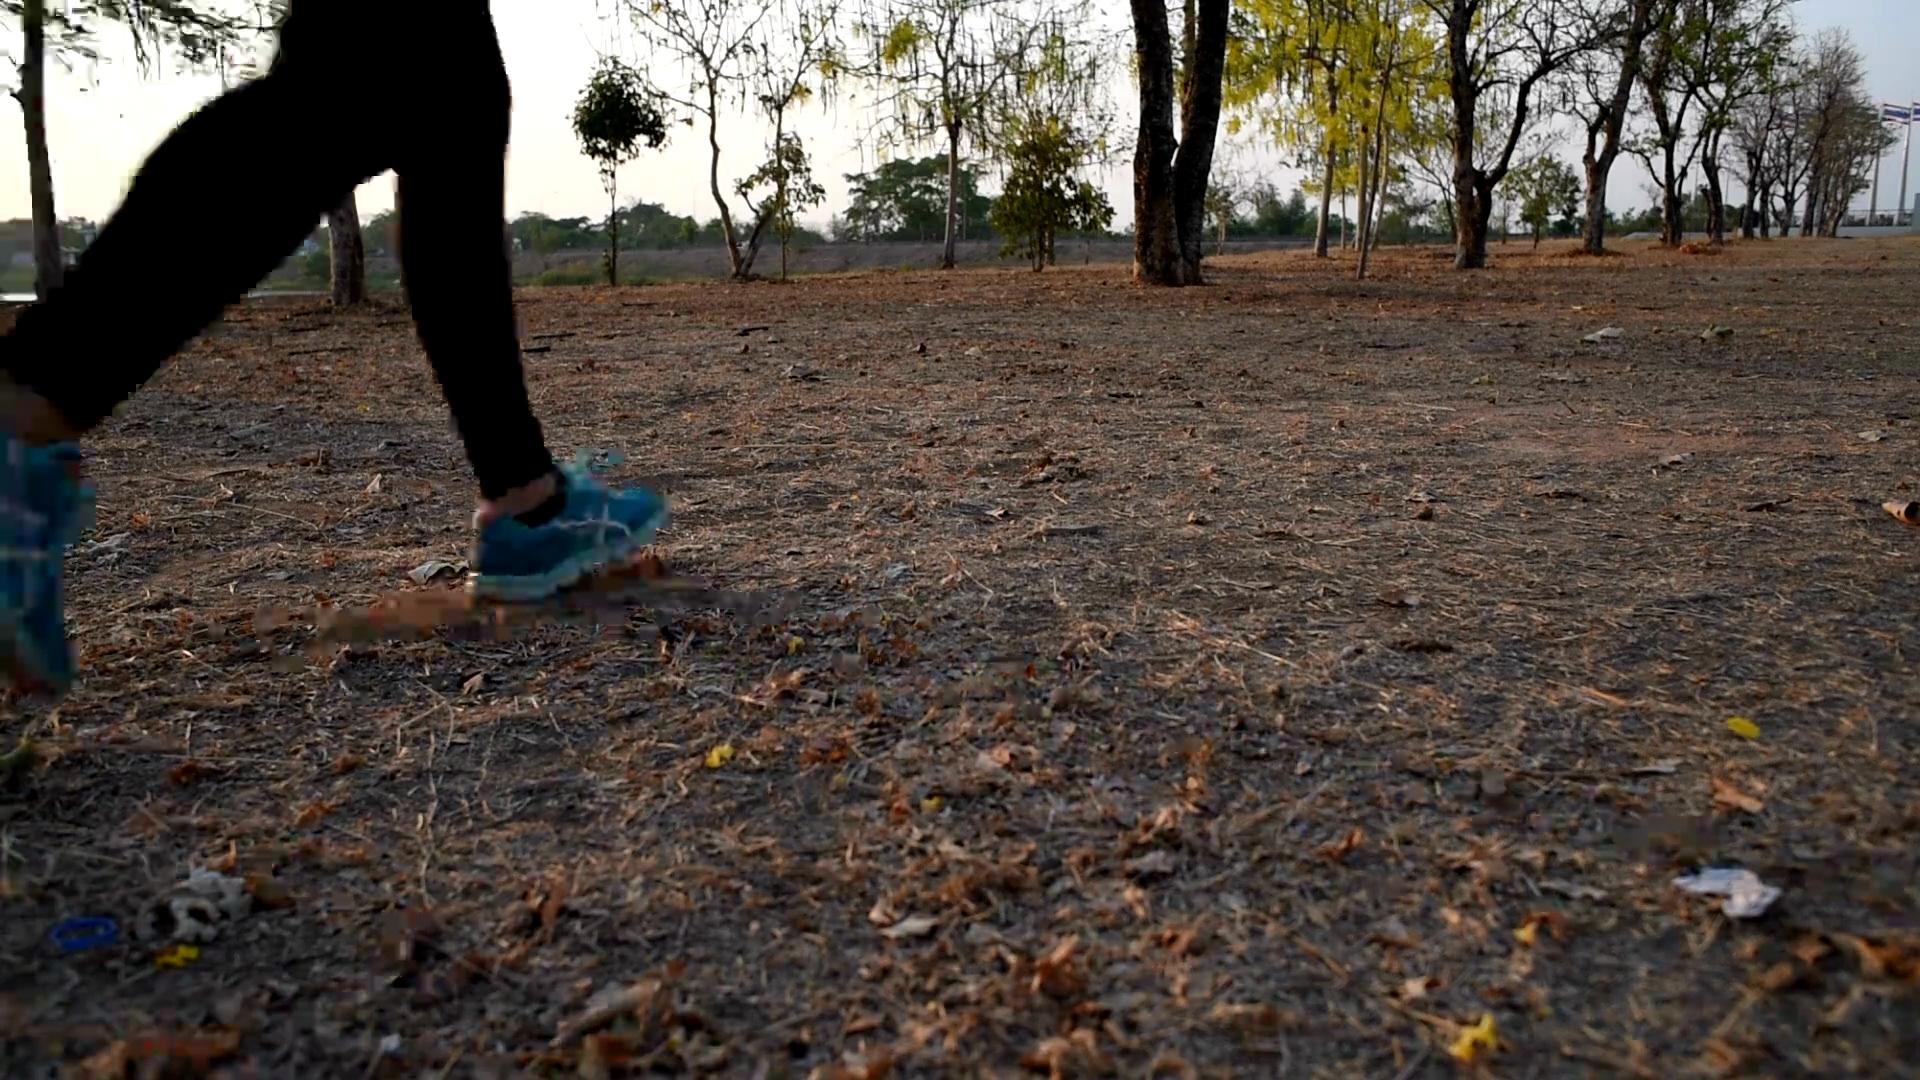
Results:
579 273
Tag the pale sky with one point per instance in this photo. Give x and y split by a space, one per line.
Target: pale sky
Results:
103 120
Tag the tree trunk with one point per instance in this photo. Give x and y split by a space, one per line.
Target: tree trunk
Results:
1599 161
1170 178
1321 237
347 255
1673 225
1812 199
1364 200
1473 223
1156 243
713 184
953 196
1373 180
613 239
1716 197
1473 206
49 262
747 256
1200 100
1593 229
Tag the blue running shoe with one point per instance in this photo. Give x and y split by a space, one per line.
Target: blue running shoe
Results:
44 506
515 561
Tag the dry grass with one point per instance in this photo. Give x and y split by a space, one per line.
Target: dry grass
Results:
1216 682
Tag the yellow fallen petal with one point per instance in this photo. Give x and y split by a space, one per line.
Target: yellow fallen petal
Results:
177 956
931 803
1527 934
1743 727
719 755
795 644
1472 1040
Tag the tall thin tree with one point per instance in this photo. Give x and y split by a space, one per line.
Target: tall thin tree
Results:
616 117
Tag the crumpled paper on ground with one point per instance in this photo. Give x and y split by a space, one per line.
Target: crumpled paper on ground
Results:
1747 897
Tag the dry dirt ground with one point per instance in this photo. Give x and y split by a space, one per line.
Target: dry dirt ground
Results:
1280 678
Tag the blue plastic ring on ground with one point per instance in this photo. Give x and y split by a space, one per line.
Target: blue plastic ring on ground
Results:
78 935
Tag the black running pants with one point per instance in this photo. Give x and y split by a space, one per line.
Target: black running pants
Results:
272 157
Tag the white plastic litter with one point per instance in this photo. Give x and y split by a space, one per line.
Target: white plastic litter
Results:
1747 897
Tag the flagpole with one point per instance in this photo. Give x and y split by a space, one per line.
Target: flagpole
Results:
1905 154
1873 200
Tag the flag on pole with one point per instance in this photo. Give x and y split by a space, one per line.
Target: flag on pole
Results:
1896 114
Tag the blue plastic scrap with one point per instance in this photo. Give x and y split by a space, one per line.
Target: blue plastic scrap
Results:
79 935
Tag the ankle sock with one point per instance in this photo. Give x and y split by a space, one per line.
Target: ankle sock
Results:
548 510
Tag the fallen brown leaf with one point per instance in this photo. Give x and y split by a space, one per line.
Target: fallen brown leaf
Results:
550 904
187 772
1554 922
1340 849
1254 1017
869 1063
1897 958
311 814
163 1054
1076 1054
862 1024
649 1000
602 1053
269 892
404 933
1056 974
1811 949
1781 976
1727 796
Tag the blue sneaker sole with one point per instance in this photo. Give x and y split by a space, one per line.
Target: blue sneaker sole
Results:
529 588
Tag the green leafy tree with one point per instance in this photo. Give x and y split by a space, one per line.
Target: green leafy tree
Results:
380 233
939 69
759 56
1223 211
545 235
617 116
1352 87
1547 192
716 44
1602 84
1277 216
1044 195
653 227
907 200
780 189
1705 59
1502 57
